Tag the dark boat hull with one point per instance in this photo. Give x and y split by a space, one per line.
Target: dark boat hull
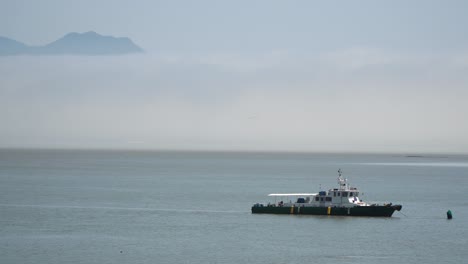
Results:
378 210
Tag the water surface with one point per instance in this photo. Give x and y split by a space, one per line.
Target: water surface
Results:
60 206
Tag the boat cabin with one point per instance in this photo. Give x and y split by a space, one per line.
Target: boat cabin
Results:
343 196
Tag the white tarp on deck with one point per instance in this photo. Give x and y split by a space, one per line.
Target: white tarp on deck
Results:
292 194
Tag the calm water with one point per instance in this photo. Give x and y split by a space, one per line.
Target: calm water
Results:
176 207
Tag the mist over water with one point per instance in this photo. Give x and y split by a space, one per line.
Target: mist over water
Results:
235 101
181 207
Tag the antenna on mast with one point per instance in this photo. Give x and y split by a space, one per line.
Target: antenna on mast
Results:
342 182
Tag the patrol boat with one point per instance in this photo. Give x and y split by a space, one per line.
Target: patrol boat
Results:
343 201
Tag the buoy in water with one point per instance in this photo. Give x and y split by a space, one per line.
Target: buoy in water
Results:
449 214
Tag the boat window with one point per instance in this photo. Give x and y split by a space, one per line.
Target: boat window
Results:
328 199
339 193
345 194
350 194
316 199
334 193
321 199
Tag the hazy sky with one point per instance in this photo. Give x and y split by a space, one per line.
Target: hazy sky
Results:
387 76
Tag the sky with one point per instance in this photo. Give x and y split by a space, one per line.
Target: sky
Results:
333 76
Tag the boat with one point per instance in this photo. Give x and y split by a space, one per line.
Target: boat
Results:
341 201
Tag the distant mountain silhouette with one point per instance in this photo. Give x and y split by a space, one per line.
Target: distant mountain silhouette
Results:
89 43
11 47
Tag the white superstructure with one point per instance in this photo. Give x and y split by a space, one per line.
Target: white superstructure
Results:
343 196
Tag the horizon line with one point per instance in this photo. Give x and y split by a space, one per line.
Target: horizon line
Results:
412 154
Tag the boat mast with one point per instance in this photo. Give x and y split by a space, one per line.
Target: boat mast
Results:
342 182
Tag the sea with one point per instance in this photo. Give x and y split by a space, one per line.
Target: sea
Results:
116 206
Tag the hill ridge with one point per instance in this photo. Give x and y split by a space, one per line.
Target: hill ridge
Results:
73 43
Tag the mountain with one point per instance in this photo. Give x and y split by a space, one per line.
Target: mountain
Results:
11 46
89 43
